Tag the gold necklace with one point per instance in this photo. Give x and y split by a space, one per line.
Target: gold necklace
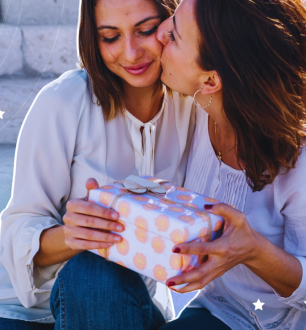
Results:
219 156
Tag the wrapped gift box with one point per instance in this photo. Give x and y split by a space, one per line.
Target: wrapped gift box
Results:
155 220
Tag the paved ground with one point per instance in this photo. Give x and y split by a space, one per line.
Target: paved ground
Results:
7 153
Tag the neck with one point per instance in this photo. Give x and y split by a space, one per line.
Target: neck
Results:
141 102
216 112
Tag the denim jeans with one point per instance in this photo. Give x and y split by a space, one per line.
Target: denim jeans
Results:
93 293
11 324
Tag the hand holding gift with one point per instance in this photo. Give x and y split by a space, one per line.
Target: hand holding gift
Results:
156 217
88 226
236 246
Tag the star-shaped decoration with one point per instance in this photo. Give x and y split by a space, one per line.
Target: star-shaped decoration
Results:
1 114
258 305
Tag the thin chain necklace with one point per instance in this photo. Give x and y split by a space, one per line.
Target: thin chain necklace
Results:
219 156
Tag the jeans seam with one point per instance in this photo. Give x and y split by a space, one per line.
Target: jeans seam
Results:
62 301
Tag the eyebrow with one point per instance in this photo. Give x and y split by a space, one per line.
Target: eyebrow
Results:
175 27
101 27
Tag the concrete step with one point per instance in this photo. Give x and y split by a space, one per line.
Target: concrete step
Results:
36 50
37 12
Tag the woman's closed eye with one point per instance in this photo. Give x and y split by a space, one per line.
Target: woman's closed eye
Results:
171 35
142 33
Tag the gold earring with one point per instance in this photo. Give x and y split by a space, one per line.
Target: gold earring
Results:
197 103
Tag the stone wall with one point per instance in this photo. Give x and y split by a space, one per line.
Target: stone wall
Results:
38 37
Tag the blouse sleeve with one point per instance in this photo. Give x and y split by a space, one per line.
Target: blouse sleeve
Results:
292 187
41 184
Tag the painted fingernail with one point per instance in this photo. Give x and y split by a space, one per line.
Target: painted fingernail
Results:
117 238
208 206
119 228
170 283
176 250
114 215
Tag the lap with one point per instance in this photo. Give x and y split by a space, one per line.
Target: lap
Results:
11 324
195 319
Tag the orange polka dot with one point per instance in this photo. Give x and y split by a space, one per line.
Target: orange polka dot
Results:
218 225
211 200
123 247
203 232
176 262
107 187
140 198
158 244
141 235
186 262
192 205
160 273
123 190
124 209
104 253
187 219
203 216
177 236
150 207
182 189
186 198
176 209
106 198
141 222
162 223
140 261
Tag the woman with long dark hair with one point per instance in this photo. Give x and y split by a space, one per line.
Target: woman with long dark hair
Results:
107 120
244 61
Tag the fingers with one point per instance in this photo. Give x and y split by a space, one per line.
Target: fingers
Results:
91 183
226 212
91 235
79 244
198 248
81 220
83 207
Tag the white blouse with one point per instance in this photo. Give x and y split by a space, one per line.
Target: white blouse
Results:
278 212
63 141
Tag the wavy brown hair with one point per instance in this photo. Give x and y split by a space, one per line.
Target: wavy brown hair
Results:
258 48
105 84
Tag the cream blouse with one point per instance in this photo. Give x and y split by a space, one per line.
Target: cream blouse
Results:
63 141
278 212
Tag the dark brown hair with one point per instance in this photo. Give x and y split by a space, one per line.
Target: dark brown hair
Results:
258 48
105 84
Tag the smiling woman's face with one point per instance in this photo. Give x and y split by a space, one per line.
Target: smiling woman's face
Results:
179 35
127 39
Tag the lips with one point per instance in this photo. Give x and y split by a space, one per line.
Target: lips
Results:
138 69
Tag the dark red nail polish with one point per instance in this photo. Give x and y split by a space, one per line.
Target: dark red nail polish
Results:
177 250
171 283
208 206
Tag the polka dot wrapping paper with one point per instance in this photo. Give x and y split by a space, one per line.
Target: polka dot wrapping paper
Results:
154 224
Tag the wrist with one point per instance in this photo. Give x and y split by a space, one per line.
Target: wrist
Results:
257 250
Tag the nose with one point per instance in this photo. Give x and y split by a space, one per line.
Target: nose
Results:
133 50
163 31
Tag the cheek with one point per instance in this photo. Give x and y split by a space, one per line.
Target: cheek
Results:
109 53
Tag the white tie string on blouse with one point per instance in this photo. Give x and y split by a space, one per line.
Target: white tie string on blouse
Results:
63 141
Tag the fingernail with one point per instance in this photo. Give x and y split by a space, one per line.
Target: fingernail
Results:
176 250
170 283
114 215
117 238
208 206
119 228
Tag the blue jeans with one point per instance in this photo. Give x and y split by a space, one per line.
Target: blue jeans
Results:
10 324
93 293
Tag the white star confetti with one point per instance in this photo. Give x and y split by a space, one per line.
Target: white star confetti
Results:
1 114
258 305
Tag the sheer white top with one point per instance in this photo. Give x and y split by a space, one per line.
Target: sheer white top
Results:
63 141
278 212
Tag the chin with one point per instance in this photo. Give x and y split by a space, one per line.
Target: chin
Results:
142 80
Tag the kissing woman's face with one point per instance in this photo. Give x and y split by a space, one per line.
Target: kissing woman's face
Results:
179 35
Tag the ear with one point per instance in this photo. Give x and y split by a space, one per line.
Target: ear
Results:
211 83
